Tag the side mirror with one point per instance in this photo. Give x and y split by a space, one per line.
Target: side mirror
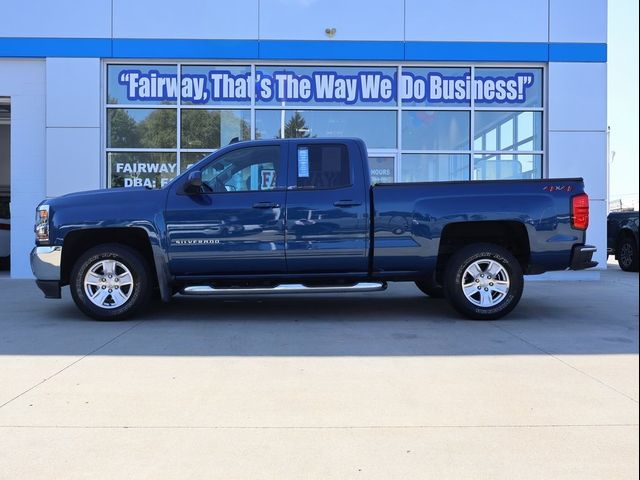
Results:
194 182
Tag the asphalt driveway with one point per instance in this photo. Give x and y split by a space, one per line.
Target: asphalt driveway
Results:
381 385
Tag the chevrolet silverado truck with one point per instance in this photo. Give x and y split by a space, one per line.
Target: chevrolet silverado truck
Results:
301 215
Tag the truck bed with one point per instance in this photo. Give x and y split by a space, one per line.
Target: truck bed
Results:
410 219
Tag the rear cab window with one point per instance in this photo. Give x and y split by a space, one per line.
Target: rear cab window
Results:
323 166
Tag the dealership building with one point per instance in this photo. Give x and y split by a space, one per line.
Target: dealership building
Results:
115 94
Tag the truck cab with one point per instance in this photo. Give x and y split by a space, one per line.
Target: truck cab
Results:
254 200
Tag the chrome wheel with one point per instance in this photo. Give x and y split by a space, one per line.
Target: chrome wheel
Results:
485 283
108 284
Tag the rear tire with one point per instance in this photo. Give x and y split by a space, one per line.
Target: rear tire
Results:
483 281
110 282
628 255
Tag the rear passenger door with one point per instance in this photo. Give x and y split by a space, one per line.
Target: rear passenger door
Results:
327 229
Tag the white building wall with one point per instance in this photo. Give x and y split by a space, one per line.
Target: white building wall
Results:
353 20
577 110
577 120
578 21
59 18
24 82
73 125
477 21
413 20
187 19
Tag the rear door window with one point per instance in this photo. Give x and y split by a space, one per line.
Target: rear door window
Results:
323 166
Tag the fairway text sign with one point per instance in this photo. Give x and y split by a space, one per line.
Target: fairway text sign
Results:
366 86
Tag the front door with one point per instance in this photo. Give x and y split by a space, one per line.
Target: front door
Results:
235 224
327 223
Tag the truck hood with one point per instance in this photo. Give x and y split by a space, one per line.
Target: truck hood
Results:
106 197
115 208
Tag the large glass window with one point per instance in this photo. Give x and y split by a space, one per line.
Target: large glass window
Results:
325 86
508 86
141 169
434 167
382 169
142 84
215 85
504 130
421 122
435 130
188 159
479 111
141 128
212 129
426 87
507 167
376 128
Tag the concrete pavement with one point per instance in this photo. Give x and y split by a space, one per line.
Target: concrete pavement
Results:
381 385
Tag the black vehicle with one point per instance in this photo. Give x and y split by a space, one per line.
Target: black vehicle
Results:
622 239
5 231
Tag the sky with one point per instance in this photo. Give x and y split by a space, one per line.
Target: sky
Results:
622 92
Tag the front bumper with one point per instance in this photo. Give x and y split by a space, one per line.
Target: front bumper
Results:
45 265
581 257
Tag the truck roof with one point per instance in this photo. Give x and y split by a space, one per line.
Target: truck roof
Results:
304 139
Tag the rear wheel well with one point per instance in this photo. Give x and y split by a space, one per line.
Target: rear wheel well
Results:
623 235
79 241
508 234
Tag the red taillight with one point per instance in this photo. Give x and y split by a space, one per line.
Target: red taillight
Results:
580 211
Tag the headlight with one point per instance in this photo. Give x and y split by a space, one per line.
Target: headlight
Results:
42 224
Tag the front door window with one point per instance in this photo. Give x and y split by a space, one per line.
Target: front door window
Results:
248 169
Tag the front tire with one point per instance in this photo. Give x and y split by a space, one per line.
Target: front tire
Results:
628 255
483 281
110 282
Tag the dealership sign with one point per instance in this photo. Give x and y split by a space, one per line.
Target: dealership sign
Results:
367 86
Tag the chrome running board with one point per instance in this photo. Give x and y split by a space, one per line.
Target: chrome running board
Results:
284 288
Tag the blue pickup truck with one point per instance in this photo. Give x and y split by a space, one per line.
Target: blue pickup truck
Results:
301 215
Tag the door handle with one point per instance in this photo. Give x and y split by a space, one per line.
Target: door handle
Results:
266 205
346 203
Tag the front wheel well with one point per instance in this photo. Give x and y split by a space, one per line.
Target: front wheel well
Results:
79 241
511 235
